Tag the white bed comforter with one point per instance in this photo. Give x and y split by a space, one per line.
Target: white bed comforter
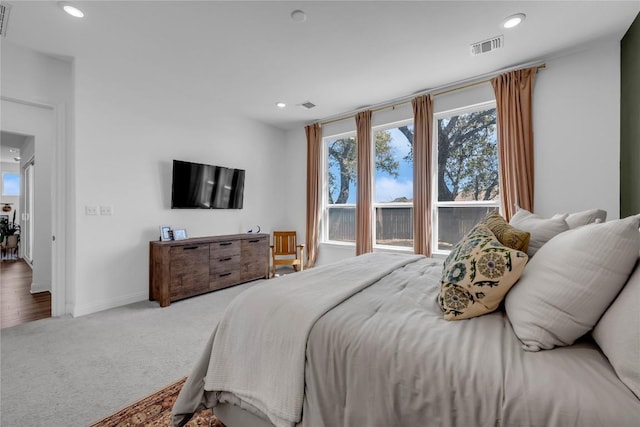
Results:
258 352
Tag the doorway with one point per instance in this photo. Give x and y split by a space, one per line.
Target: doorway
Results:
42 124
20 305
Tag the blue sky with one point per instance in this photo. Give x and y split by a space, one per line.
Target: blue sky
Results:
10 184
388 188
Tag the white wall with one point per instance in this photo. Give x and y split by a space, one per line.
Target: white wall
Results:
576 136
577 132
127 134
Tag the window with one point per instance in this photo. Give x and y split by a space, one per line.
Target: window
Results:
10 184
392 191
393 185
465 179
466 184
340 188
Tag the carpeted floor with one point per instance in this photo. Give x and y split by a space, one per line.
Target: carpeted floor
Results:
68 372
155 411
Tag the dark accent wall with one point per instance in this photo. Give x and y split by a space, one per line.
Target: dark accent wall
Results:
630 121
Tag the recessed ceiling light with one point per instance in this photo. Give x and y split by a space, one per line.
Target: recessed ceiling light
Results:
17 159
513 20
13 150
71 9
298 16
280 104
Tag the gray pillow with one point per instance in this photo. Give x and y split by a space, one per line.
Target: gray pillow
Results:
618 333
541 229
578 219
571 281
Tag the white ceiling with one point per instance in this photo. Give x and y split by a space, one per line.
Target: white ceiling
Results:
10 146
245 56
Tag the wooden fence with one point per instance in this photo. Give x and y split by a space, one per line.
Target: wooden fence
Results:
394 224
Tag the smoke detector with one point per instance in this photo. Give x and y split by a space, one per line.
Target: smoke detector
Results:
487 46
4 18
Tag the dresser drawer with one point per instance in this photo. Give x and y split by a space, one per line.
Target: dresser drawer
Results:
224 249
225 264
223 280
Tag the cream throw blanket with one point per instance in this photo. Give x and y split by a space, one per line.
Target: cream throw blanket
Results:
258 352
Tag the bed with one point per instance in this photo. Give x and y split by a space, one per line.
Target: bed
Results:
364 343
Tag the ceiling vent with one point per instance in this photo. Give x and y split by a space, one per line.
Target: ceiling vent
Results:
4 18
308 105
486 46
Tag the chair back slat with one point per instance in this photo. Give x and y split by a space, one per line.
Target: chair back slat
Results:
285 242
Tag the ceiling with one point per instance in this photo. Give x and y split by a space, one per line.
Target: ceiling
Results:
10 146
246 56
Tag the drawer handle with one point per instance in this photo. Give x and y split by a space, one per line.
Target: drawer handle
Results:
225 259
254 241
188 248
226 243
224 274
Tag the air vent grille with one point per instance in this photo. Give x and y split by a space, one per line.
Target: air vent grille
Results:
487 46
308 105
4 18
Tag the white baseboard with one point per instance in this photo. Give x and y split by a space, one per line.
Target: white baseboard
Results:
84 309
40 287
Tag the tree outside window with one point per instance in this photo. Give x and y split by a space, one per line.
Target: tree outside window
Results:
465 174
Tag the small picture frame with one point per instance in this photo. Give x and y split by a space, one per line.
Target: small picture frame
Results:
165 233
179 234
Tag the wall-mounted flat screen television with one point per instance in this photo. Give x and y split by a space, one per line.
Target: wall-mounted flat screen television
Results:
200 186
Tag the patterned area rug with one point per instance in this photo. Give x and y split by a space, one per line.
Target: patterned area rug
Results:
155 411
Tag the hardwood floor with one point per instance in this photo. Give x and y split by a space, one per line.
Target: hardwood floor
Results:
17 304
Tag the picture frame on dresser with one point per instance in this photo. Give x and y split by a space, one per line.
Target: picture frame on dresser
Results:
179 234
165 233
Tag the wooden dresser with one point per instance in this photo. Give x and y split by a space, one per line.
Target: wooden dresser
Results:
183 268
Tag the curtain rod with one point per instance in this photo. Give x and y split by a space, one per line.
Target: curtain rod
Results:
434 92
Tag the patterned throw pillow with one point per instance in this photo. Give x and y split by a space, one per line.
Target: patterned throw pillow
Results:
508 235
477 275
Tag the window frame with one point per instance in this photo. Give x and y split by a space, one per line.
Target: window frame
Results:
435 203
325 205
374 204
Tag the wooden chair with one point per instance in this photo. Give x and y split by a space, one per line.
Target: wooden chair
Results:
285 250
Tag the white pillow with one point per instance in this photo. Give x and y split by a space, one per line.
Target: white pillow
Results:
571 281
541 229
578 219
618 333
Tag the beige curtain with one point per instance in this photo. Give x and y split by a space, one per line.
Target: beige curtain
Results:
514 91
423 131
314 138
364 215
